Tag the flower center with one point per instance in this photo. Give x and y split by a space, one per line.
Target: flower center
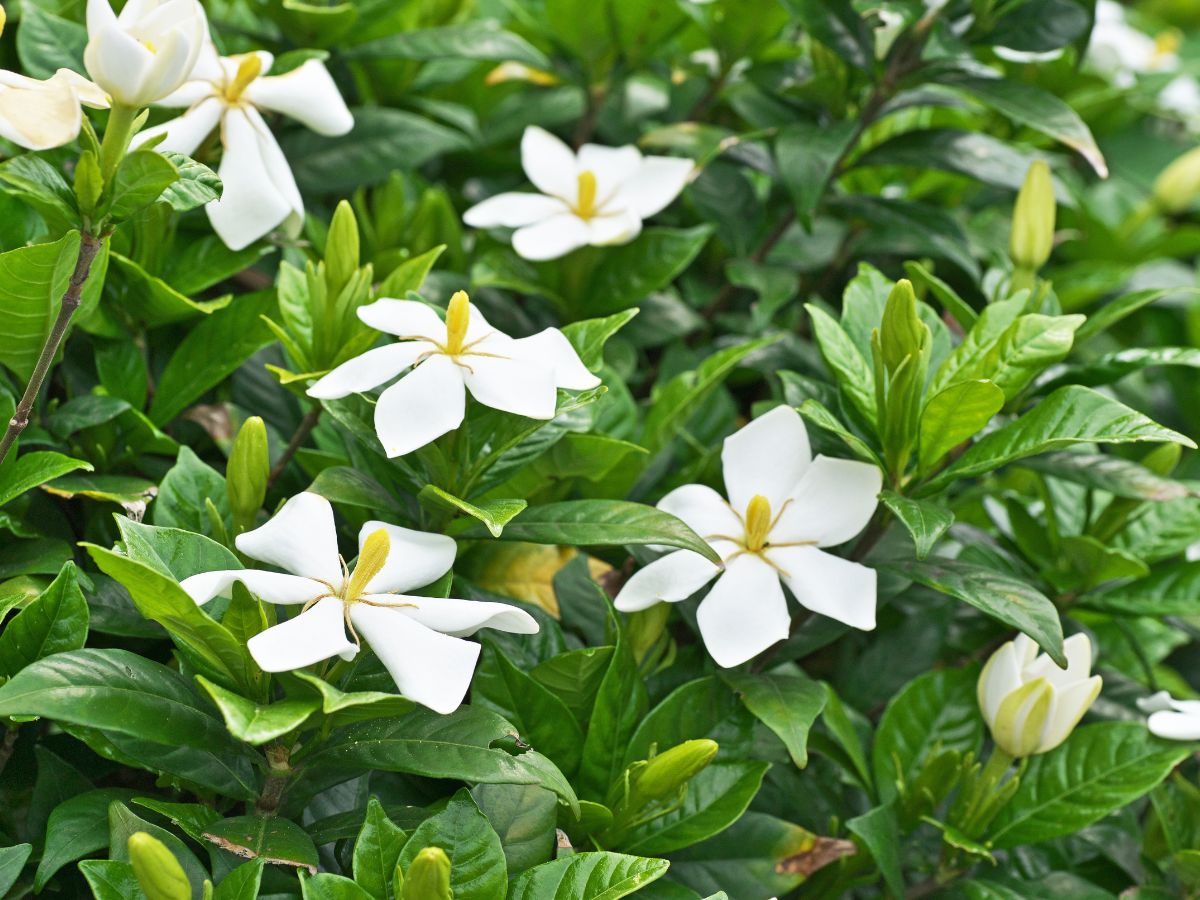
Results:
458 316
149 45
585 204
248 69
370 563
758 522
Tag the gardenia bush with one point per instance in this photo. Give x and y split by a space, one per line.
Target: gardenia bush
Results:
574 449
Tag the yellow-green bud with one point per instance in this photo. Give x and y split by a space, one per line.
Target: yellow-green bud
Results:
901 331
246 473
670 770
1032 236
1177 185
341 249
156 868
428 876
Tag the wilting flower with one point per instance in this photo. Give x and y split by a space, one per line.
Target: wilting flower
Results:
418 639
783 505
1028 702
599 196
260 192
447 359
147 51
1176 720
38 115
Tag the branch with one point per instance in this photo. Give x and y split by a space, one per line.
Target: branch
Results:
307 424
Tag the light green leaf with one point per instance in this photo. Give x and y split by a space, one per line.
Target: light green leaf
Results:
925 521
56 621
31 469
253 723
377 852
787 704
855 378
586 876
494 514
953 416
820 416
478 870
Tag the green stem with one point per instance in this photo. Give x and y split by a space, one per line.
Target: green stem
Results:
1022 279
117 135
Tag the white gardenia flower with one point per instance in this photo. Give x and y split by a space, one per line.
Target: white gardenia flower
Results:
1181 98
1120 52
447 359
1028 702
418 639
147 51
230 92
38 115
783 505
1176 720
599 196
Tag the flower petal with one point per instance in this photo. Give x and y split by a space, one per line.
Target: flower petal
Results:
461 618
1000 676
551 348
766 457
1078 650
703 510
301 538
38 115
433 669
512 385
832 503
118 62
415 558
1067 708
658 181
373 368
405 318
310 637
828 584
551 238
744 613
513 210
549 164
307 94
186 132
612 166
274 587
1174 726
671 578
610 230
422 406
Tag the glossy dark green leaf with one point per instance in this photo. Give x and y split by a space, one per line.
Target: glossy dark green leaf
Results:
56 621
12 861
524 816
470 40
377 852
274 839
880 832
787 704
478 870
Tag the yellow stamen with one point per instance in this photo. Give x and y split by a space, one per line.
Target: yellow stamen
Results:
3 18
585 206
1166 43
370 562
248 69
758 522
458 315
149 45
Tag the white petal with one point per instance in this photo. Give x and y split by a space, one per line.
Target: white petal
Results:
422 406
406 318
119 64
674 577
832 503
461 618
274 587
301 538
1078 650
744 613
310 637
703 510
609 230
433 669
1174 726
415 558
511 385
88 92
612 166
551 238
259 191
307 94
549 164
480 329
659 181
1067 709
828 584
99 15
513 210
38 115
766 457
1157 702
551 348
186 132
187 94
373 368
1001 676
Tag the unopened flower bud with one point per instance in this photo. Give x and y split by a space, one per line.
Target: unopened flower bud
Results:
1179 183
428 876
901 331
1032 236
667 772
247 472
156 868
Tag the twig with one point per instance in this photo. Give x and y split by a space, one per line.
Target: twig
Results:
280 773
307 424
8 745
89 246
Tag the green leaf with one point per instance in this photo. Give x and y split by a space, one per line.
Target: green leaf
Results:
410 274
111 879
494 514
47 42
12 861
184 494
195 185
807 154
586 876
880 832
596 523
632 271
1113 474
242 883
854 375
1115 310
273 839
574 677
31 469
820 416
933 712
123 823
76 827
141 177
352 706
925 521
149 299
56 621
190 818
1170 591
458 745
1071 415
478 870
837 25
327 886
954 415
524 816
377 852
1114 366
484 40
256 724
343 484
787 704
952 303
1004 597
40 184
1099 769
589 336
